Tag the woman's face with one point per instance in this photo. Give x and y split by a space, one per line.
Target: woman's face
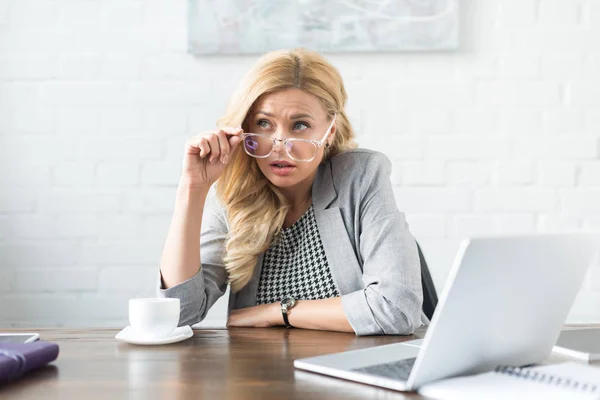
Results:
290 113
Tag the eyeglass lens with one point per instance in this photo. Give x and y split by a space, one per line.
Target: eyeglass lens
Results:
260 146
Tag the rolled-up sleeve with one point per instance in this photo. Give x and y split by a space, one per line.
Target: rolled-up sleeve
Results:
391 300
201 291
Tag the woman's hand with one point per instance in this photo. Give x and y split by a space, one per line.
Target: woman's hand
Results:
207 154
262 316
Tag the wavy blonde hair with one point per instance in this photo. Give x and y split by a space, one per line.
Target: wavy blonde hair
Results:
256 209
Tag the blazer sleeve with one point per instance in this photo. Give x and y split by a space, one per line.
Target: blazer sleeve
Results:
200 292
391 300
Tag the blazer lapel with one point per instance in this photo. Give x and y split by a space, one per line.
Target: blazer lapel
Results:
340 253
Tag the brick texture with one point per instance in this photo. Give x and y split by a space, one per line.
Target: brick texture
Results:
98 97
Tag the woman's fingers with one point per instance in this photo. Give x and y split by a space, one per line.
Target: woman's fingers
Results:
197 145
215 150
216 145
235 137
234 141
203 147
224 143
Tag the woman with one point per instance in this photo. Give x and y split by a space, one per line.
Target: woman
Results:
301 224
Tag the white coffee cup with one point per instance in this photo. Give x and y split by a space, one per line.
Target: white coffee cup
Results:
154 317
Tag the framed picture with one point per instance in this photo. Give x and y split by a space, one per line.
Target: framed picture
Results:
258 26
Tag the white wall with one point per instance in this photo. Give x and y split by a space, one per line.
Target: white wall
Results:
97 98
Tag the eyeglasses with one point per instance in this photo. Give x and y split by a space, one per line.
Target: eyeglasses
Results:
261 146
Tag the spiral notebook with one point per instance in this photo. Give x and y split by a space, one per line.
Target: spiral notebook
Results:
550 382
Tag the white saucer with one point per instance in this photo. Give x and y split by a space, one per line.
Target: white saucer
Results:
128 335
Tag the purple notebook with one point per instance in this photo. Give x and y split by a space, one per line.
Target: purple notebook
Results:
18 358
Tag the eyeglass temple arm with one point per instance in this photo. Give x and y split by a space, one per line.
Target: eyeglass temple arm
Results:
328 129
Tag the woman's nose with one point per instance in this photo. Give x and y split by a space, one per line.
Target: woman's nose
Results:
278 144
278 138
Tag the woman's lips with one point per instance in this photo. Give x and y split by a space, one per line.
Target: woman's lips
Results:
282 162
282 171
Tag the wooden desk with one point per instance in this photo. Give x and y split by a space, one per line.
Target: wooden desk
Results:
214 364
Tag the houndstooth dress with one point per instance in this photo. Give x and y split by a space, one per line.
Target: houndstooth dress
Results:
295 265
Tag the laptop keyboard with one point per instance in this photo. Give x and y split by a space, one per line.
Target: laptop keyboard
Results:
394 370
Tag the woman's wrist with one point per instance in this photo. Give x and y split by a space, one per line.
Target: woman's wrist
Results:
274 315
191 184
191 194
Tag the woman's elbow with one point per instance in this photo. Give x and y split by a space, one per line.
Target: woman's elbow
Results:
400 317
407 324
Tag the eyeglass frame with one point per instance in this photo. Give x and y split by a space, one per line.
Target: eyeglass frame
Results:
317 143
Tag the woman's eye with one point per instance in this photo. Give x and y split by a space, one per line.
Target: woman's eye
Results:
263 123
300 126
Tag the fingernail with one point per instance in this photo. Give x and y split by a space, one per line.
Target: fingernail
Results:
225 159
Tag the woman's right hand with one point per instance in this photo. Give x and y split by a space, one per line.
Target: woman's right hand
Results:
207 155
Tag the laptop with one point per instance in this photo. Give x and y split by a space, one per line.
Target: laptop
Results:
505 302
583 344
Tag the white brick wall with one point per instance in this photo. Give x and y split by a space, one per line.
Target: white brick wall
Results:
98 97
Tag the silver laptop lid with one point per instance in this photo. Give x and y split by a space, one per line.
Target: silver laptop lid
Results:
506 304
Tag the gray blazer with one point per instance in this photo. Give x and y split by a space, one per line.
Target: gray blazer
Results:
371 253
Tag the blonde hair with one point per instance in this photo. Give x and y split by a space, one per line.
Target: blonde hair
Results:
256 209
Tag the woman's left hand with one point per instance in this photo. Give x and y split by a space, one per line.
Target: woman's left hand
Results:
262 316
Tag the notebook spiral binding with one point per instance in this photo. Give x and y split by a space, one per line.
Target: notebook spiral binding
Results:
527 373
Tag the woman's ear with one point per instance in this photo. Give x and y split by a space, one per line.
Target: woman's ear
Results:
331 135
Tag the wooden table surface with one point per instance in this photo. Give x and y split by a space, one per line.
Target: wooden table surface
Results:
213 364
